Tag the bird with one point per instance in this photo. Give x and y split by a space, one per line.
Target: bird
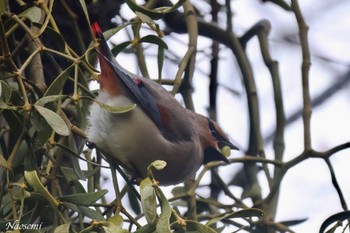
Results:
158 128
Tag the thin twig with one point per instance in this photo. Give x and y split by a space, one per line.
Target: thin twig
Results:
336 184
188 61
262 30
188 65
306 63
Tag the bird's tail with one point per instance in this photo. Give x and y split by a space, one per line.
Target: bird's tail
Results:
95 27
103 49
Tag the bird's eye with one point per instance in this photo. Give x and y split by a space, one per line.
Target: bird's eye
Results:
211 127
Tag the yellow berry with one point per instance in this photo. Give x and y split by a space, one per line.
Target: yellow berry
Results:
226 151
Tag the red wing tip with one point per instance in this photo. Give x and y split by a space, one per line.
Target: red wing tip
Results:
96 29
138 81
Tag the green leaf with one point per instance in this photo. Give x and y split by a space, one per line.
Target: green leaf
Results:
148 201
85 10
75 161
4 105
47 99
78 187
68 174
3 162
111 32
62 228
150 13
56 37
114 224
173 8
54 120
33 180
93 214
5 92
115 110
42 128
159 164
57 85
32 13
193 226
160 60
6 204
14 119
84 210
117 220
169 9
154 40
144 18
146 229
247 213
111 228
120 47
18 194
178 190
156 13
84 199
293 222
46 20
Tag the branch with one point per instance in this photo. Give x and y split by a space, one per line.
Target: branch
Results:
315 154
303 29
188 65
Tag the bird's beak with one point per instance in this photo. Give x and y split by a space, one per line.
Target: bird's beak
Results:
225 142
212 154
